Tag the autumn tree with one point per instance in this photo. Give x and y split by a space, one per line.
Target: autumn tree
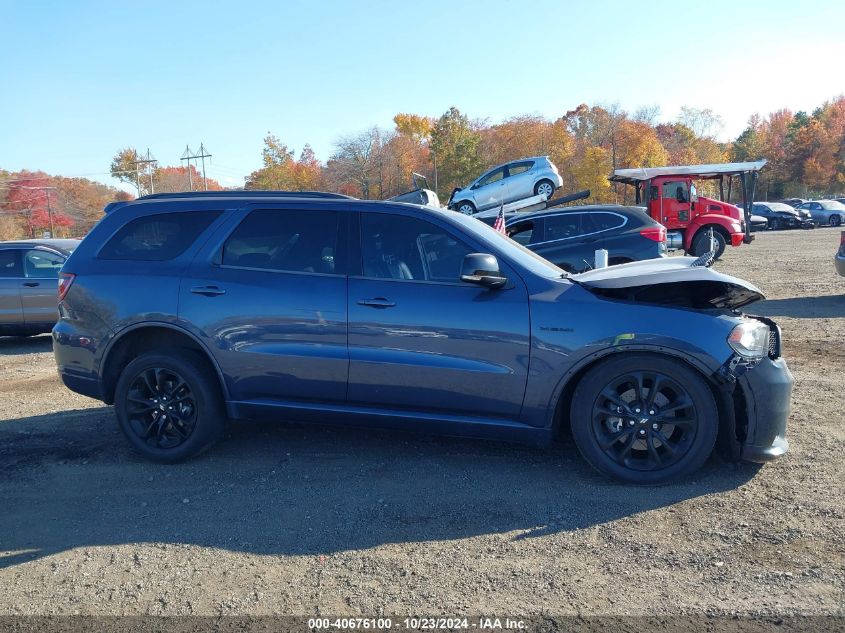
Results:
455 142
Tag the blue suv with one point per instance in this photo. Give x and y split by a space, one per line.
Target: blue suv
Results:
186 310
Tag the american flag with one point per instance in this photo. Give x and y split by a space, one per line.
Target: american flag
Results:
500 221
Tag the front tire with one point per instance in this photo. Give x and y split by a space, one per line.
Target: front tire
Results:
169 406
701 243
644 419
835 220
466 207
544 187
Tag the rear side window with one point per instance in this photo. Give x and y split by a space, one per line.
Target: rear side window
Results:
519 168
606 221
290 240
158 237
10 263
564 226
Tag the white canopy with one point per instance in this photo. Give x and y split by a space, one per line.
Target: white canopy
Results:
633 176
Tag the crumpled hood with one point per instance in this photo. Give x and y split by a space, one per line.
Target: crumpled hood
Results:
671 281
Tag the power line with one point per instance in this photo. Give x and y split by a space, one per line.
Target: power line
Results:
149 164
202 155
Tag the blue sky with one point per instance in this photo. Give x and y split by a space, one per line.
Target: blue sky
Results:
81 80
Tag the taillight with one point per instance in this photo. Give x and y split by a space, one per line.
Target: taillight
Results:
656 233
65 282
842 238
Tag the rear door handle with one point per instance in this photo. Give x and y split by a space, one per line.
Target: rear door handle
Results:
378 302
31 284
208 291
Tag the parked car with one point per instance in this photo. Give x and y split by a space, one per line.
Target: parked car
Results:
507 183
828 212
28 278
64 245
569 237
793 202
759 223
185 311
840 255
780 216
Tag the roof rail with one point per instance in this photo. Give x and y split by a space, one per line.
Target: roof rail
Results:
247 193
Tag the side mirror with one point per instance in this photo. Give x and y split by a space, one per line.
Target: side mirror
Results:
482 269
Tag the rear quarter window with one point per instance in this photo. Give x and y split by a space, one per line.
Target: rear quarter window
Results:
158 237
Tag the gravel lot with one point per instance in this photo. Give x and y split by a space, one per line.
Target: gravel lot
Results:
285 519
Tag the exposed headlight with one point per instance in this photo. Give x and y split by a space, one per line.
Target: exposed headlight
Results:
750 339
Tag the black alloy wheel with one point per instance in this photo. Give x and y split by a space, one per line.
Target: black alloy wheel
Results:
169 405
644 419
161 408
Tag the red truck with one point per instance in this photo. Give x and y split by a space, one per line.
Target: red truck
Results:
670 196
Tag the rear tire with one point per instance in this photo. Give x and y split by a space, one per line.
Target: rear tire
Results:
644 419
545 187
835 220
701 243
169 406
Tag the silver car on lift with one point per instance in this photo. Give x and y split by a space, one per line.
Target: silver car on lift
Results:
506 183
28 288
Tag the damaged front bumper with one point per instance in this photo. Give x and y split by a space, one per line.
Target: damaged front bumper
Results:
761 397
767 390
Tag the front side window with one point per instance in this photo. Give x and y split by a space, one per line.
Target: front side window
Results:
522 232
42 264
159 237
493 176
10 265
401 247
290 240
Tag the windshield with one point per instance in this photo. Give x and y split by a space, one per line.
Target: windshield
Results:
516 252
779 206
832 205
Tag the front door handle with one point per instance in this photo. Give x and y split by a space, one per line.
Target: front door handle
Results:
208 291
31 284
377 302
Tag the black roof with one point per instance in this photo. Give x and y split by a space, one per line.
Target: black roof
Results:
580 208
246 193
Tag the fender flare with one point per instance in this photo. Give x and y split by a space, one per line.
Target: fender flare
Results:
601 354
122 333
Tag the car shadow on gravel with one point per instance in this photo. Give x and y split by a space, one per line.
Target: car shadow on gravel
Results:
16 345
825 306
68 481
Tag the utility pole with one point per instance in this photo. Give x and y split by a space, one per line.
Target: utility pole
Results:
202 155
149 163
50 211
187 156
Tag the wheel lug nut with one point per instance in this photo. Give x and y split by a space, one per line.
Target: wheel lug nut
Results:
642 431
655 426
630 423
637 410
